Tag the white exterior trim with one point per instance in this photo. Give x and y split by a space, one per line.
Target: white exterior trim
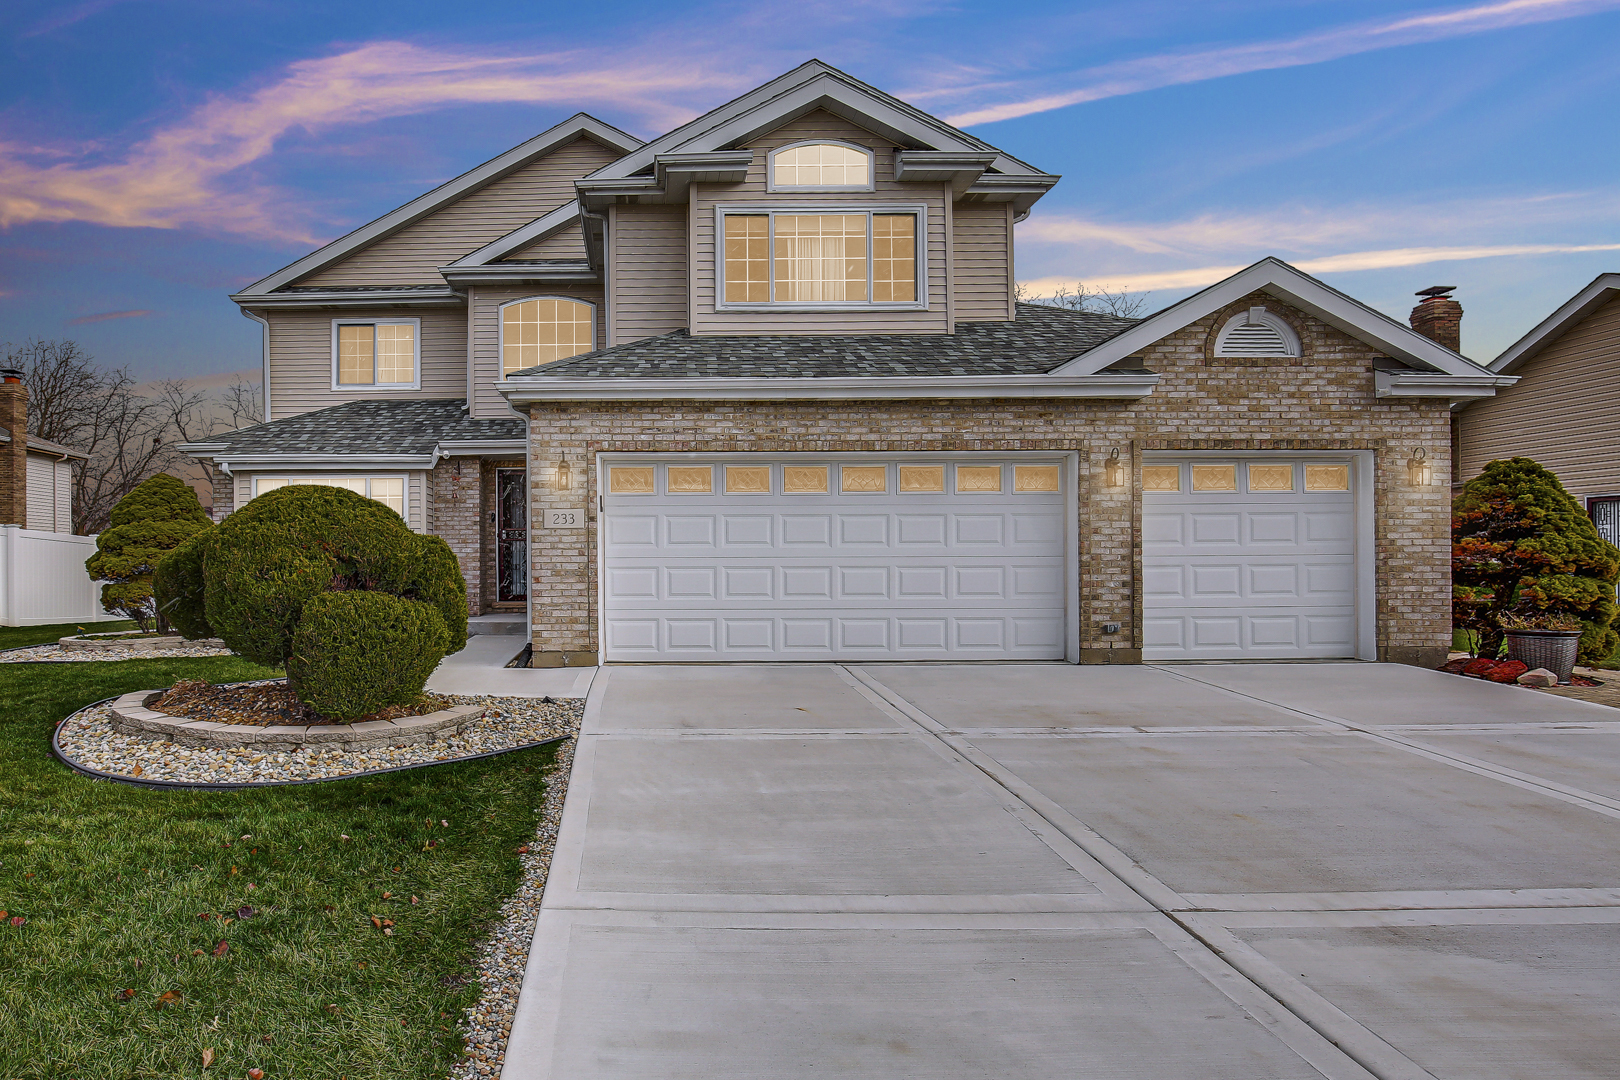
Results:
526 389
500 326
541 227
416 355
866 151
1416 384
771 210
1576 308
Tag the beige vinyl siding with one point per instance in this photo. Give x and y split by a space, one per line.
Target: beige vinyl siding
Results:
1564 411
486 330
818 124
301 358
415 488
50 494
648 260
566 243
983 259
412 255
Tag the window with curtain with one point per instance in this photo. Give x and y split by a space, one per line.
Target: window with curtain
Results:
539 331
821 166
388 490
376 353
797 258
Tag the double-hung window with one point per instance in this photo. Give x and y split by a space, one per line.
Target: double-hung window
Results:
379 353
819 258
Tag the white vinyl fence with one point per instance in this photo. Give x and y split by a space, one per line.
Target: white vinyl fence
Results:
43 580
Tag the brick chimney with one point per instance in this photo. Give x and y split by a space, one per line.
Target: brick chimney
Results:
1439 317
14 454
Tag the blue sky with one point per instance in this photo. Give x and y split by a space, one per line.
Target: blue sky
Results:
156 155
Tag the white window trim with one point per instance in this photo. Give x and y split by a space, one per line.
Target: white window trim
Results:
416 359
772 209
1265 318
287 477
500 327
871 167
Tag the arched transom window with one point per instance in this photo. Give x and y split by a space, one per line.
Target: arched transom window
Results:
1256 332
545 329
820 167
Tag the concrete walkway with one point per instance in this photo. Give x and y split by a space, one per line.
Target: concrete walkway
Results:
1027 871
481 668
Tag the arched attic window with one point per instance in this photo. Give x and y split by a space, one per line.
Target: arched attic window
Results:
542 329
821 166
1256 332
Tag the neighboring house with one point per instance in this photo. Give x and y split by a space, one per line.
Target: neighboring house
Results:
1565 409
759 389
36 475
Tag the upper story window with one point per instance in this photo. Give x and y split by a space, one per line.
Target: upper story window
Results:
540 330
1256 332
858 257
821 166
380 353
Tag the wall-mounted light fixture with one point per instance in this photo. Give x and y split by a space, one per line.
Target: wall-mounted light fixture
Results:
1417 468
564 476
1114 470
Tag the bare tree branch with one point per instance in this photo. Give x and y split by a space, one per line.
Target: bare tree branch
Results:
1082 297
243 404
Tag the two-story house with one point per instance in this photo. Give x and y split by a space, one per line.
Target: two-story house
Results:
759 389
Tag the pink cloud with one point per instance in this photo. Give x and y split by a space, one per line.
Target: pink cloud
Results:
192 173
108 316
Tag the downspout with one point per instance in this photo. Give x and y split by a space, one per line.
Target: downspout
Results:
264 355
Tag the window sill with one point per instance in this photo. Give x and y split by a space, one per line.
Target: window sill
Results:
814 308
351 388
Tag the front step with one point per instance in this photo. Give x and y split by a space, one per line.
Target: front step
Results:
500 623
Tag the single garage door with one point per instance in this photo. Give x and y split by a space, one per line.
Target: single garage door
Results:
836 559
1248 559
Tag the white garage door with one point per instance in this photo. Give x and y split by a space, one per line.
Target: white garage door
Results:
1248 559
841 559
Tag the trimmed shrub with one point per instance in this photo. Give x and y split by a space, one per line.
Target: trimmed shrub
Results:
159 515
177 585
1522 546
356 652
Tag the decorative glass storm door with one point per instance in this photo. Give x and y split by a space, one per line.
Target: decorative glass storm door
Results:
512 536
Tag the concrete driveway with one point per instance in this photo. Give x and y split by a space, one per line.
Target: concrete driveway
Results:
1254 872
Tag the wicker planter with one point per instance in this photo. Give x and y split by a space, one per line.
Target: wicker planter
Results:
1551 649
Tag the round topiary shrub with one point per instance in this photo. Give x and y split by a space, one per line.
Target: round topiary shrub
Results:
356 652
159 515
261 571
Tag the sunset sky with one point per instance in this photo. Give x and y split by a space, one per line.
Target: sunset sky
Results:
154 156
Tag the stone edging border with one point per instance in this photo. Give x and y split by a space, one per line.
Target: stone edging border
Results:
131 715
78 644
180 785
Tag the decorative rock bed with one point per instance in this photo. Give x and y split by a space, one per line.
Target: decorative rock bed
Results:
54 653
141 646
130 714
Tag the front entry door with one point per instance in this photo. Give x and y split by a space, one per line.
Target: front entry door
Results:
512 535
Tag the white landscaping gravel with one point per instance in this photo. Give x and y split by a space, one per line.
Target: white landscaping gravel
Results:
55 654
89 738
504 955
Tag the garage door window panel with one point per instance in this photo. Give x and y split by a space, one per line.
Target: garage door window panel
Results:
689 480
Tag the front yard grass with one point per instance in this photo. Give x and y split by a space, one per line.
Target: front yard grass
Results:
17 637
125 965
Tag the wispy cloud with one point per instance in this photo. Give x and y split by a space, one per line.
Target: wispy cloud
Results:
108 316
1172 69
1356 260
197 172
68 16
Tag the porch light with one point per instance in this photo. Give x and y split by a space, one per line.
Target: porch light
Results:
1114 470
564 477
1417 469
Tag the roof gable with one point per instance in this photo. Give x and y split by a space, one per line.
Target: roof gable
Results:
1603 288
1295 287
519 157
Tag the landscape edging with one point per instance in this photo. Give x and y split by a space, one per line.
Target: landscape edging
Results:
132 715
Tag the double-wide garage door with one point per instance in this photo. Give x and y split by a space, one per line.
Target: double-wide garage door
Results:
837 559
1249 558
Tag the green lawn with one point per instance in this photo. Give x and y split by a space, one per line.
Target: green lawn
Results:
17 637
111 880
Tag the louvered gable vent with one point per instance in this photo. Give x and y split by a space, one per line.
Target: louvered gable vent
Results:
1256 332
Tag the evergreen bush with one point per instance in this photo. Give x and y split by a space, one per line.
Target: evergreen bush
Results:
356 652
177 584
1522 546
159 515
288 556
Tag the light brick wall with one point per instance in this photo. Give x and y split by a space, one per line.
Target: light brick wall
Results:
223 502
1322 401
454 514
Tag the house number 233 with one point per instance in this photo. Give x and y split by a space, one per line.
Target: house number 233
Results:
565 519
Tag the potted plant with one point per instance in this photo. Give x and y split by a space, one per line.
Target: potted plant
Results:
1543 640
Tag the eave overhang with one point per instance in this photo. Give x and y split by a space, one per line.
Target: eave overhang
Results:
1603 288
1424 384
433 295
547 224
957 168
525 390
672 175
517 273
259 461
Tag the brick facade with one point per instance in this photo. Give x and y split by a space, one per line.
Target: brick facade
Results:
454 506
1323 400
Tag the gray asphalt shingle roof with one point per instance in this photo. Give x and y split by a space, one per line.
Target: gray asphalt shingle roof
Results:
1038 340
370 427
